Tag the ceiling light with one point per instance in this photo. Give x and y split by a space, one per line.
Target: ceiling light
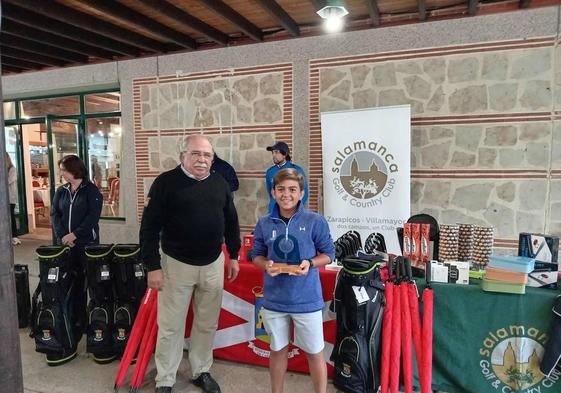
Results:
333 12
333 9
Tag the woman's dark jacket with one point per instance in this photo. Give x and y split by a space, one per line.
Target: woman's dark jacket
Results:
78 213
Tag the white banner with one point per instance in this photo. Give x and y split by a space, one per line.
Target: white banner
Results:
366 171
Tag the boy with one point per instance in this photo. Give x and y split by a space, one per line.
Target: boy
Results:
295 236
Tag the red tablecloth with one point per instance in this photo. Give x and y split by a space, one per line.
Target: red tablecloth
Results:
241 337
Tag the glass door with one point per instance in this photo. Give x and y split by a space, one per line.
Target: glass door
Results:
13 148
63 138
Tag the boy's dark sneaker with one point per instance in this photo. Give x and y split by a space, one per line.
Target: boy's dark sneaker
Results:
207 383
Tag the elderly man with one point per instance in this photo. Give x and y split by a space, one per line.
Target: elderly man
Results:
281 160
189 211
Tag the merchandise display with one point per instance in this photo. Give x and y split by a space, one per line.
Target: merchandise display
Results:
448 244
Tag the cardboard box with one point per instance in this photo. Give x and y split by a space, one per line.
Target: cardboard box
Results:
545 250
453 272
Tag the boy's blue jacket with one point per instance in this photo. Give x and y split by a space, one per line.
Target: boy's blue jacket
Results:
305 235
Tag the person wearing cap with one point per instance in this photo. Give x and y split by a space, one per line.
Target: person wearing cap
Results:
281 159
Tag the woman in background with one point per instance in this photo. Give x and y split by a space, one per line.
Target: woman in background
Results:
75 215
13 196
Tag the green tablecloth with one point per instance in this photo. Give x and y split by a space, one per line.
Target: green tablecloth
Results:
491 342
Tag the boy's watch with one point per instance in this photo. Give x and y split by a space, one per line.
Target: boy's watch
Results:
310 262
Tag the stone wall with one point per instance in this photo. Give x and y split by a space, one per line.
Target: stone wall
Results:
485 141
241 111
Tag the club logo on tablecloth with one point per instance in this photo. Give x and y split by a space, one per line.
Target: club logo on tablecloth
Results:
511 360
365 173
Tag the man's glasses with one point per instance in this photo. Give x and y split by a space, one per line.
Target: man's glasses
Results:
201 154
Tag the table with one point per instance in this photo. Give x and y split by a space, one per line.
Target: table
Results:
42 195
491 342
241 337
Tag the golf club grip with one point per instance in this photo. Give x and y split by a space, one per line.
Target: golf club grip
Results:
390 266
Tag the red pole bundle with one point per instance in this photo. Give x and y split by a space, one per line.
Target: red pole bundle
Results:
135 336
142 351
146 348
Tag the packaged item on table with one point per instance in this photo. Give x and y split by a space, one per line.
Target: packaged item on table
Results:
545 250
465 242
506 275
542 277
425 243
482 244
453 272
407 240
448 243
512 263
489 285
415 242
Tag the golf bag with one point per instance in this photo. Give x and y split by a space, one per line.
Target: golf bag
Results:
359 303
101 305
130 285
21 273
53 323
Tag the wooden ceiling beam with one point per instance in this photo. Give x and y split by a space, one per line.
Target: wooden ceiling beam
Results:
43 37
472 7
50 25
11 41
129 15
12 69
422 9
187 19
79 19
374 12
277 12
26 65
34 57
230 14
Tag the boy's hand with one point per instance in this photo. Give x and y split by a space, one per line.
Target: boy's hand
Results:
304 268
271 269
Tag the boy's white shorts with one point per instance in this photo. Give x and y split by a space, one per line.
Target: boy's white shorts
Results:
308 330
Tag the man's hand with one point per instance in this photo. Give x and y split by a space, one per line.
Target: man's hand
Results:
156 279
233 269
68 240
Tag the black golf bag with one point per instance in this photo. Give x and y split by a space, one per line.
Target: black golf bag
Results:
21 273
359 303
53 323
130 285
101 305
